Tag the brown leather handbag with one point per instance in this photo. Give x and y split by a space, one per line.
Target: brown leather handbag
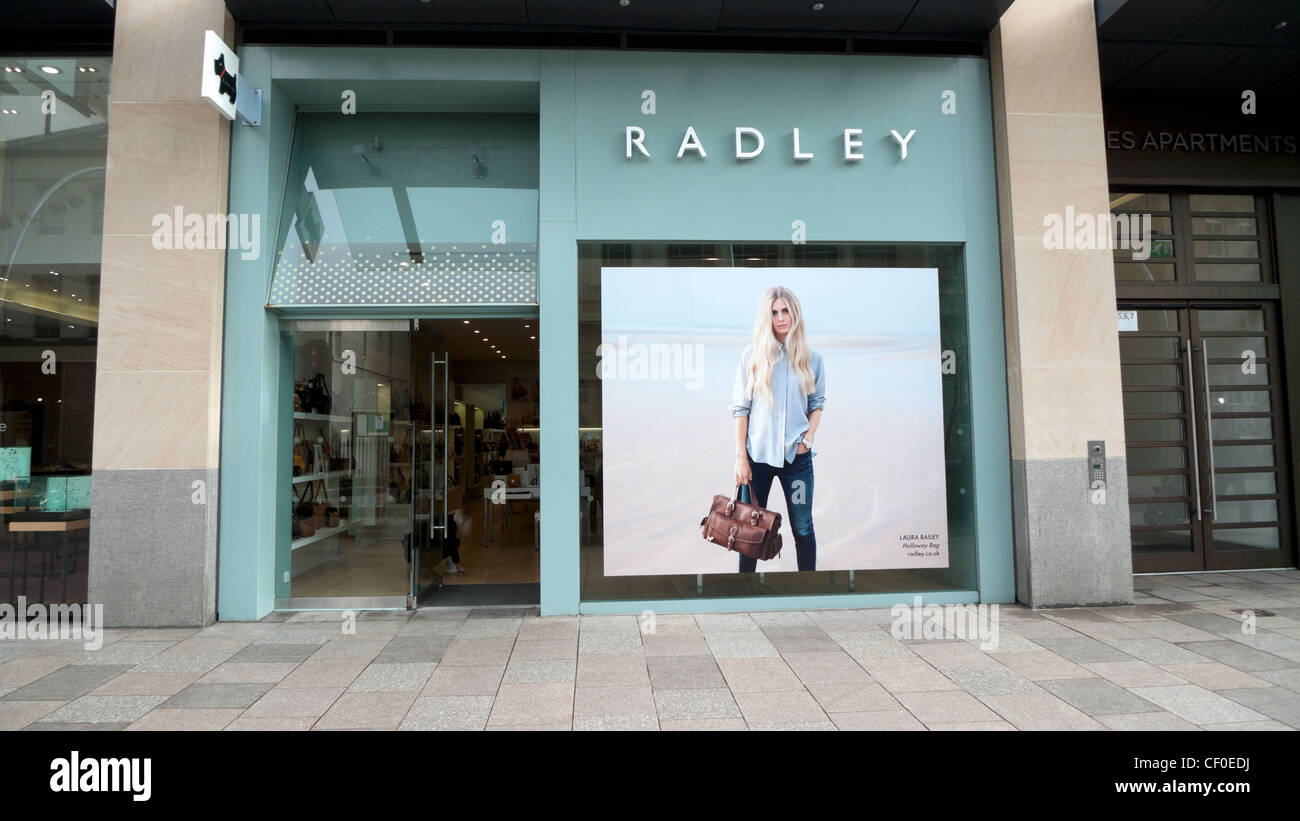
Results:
743 527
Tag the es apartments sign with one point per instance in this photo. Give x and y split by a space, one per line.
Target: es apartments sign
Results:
750 143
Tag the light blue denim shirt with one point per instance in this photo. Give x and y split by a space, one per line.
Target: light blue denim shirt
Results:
775 430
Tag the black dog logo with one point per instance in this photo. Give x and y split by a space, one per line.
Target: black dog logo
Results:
227 80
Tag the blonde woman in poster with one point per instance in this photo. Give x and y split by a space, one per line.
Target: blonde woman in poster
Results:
777 401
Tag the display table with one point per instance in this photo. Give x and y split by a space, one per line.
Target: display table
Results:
522 494
51 529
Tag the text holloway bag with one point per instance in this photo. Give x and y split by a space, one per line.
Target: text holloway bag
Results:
743 527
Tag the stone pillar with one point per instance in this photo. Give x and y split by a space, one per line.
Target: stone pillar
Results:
153 531
1072 546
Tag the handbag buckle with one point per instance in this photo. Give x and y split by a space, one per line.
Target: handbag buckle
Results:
753 517
731 506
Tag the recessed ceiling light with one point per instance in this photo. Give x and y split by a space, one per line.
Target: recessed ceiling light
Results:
91 69
40 399
818 6
532 337
1281 24
465 321
50 70
625 3
475 330
56 273
72 326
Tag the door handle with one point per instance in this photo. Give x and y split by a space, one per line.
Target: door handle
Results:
1196 459
1209 434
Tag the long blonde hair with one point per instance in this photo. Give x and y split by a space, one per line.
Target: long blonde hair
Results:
766 348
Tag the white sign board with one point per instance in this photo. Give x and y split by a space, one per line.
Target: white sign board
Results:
220 75
1128 320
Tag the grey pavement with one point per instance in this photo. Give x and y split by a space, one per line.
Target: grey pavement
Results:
1182 657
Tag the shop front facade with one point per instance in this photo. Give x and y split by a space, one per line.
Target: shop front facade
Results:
442 326
432 221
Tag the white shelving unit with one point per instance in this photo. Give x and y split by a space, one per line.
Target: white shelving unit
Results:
323 533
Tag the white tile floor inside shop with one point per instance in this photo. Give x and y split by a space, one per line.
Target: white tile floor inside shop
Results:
1181 658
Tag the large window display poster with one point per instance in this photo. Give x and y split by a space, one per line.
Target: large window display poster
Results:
717 377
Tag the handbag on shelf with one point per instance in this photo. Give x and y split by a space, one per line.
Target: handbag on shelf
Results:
303 514
743 526
331 512
320 503
316 395
299 450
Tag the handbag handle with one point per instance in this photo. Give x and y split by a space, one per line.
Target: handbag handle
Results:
753 500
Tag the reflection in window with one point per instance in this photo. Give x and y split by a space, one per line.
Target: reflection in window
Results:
51 214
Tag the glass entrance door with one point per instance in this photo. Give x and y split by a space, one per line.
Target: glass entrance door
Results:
1207 478
349 466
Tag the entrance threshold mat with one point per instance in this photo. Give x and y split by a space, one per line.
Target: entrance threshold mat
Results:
482 595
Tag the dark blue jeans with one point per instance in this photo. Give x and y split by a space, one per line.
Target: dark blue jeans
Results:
797 484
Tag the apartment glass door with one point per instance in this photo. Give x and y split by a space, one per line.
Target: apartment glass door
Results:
1202 404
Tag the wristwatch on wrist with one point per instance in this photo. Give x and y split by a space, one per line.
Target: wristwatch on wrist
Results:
806 441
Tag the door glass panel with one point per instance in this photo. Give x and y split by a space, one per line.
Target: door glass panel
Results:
1140 458
1247 510
1232 375
1144 271
1228 429
1224 347
1231 320
1148 347
1139 202
1157 320
1239 203
1160 249
1162 541
1153 402
1158 513
1226 248
1241 484
1154 430
1240 401
1224 225
1150 376
1228 272
1243 456
1172 484
351 462
1246 538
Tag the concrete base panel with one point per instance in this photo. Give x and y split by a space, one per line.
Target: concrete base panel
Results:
153 547
1071 549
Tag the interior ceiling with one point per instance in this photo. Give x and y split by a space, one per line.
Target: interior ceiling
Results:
1199 45
509 336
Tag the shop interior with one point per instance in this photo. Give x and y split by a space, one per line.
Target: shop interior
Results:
414 455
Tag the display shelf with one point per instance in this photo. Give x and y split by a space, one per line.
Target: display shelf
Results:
323 533
321 417
316 477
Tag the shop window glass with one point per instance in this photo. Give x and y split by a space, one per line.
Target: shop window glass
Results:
595 432
52 160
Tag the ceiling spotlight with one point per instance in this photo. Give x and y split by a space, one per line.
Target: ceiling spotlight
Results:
91 69
50 70
625 3
465 321
476 331
818 6
72 326
1281 24
532 337
56 273
503 356
40 399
